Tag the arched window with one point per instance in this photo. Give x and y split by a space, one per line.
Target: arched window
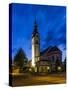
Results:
53 58
36 42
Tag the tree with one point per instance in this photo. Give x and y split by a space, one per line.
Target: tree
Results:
19 58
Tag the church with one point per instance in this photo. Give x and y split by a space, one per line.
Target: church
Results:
44 61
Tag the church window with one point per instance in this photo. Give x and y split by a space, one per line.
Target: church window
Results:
36 42
53 58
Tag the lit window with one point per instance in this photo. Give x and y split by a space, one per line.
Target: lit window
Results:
59 68
48 67
30 69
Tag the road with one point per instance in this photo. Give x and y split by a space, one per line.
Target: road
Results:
38 80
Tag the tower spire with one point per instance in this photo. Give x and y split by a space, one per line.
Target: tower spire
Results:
35 31
35 26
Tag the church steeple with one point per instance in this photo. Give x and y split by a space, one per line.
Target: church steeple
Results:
35 45
35 29
35 26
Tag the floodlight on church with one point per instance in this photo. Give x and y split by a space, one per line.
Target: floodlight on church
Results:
59 68
33 64
48 67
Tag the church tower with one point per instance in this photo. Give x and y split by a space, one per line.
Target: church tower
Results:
35 45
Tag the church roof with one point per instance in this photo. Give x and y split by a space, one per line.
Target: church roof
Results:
46 50
43 62
35 30
55 48
50 49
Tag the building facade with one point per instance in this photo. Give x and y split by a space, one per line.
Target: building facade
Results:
46 60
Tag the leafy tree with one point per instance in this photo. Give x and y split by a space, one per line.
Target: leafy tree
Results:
19 58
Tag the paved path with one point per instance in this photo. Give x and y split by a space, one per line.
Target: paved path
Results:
39 80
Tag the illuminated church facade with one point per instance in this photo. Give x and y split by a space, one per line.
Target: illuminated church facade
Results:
46 60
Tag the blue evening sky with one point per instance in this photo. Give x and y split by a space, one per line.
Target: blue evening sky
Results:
51 24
